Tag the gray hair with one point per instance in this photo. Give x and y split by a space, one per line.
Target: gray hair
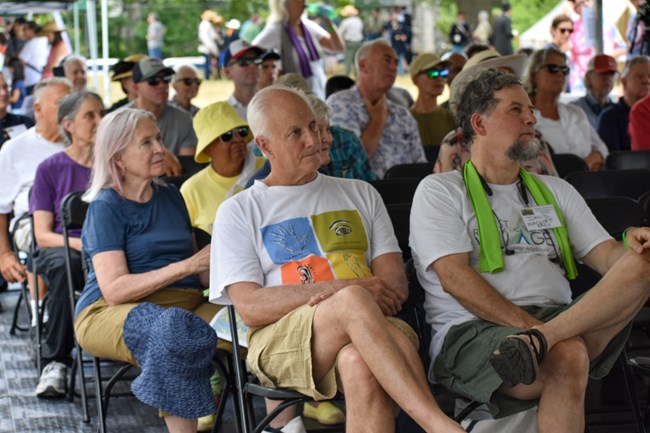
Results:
49 82
263 103
367 48
477 96
535 64
178 69
295 81
318 106
68 109
73 58
114 134
632 62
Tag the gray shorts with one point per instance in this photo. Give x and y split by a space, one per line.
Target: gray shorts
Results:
463 363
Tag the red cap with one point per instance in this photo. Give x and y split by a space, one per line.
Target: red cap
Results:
602 63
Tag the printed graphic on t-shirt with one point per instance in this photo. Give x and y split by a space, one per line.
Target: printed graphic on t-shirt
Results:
340 230
319 248
307 271
519 240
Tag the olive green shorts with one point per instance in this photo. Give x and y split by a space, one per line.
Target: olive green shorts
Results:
280 354
463 363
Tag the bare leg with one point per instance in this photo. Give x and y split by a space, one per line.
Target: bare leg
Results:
284 417
561 387
180 425
607 308
352 316
42 287
364 396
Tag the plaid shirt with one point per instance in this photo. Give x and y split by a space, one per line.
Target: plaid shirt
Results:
349 158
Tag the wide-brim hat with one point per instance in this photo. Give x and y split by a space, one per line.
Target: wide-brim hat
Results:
148 67
349 11
212 121
234 24
124 67
488 59
174 348
209 15
238 48
424 62
49 28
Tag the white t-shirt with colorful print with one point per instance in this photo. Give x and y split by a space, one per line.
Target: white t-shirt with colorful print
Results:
327 229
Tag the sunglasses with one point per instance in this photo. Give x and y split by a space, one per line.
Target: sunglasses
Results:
437 73
154 81
554 69
242 131
245 62
190 81
569 31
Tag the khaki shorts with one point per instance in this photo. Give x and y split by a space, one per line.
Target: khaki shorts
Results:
98 327
463 363
280 354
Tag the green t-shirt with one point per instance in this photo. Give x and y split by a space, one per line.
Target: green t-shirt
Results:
434 126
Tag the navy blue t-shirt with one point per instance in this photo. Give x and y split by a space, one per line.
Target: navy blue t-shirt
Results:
152 235
13 120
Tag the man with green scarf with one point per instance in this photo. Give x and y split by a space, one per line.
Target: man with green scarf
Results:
494 249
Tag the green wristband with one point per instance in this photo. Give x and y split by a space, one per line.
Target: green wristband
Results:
627 247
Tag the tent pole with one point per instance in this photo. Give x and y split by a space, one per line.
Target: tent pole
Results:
75 15
105 54
92 38
598 14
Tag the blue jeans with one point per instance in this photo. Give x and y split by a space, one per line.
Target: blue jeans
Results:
156 53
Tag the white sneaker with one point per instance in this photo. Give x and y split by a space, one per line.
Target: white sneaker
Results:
53 381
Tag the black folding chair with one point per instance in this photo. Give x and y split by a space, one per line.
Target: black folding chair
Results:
176 180
610 183
566 163
190 166
73 214
418 170
400 215
628 160
396 190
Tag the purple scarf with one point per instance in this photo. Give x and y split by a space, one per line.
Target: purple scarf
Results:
302 56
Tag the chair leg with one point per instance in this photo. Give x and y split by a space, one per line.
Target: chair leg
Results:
99 396
629 379
14 320
78 367
225 393
275 412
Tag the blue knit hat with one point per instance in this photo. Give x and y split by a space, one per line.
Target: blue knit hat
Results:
174 348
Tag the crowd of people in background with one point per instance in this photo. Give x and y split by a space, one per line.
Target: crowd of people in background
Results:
139 238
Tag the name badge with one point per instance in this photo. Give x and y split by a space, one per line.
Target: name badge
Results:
540 217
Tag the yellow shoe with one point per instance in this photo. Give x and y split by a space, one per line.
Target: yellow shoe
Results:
325 413
206 423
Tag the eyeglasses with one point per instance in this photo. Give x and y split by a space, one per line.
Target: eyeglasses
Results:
569 31
554 69
437 73
154 81
190 81
242 131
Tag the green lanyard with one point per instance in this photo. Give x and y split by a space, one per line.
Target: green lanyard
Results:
491 256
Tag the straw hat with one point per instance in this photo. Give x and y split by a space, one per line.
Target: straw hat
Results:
49 28
349 11
124 67
488 59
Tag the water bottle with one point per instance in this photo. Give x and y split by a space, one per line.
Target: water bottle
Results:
319 9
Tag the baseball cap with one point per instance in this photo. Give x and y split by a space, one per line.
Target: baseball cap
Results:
238 48
148 67
270 54
601 63
211 122
424 62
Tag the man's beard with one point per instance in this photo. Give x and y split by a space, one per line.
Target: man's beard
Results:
521 151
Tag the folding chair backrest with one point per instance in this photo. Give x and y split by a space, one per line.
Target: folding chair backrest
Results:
616 214
396 190
176 180
628 160
610 183
566 163
190 166
418 170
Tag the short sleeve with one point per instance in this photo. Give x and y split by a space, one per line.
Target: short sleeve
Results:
42 196
104 229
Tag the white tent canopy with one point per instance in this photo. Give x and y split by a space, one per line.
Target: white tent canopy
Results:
35 7
615 12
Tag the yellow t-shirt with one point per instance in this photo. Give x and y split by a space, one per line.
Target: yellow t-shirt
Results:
205 191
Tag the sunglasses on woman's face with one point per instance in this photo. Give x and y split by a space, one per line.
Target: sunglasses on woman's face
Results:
190 81
437 73
569 31
242 131
554 69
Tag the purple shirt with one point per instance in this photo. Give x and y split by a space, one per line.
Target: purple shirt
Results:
56 177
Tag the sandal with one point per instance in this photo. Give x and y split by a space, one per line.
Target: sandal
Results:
517 359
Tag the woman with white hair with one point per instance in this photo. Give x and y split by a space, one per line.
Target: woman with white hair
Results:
142 255
299 41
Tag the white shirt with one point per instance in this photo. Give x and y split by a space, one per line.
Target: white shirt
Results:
19 158
443 223
34 53
351 29
238 106
572 133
